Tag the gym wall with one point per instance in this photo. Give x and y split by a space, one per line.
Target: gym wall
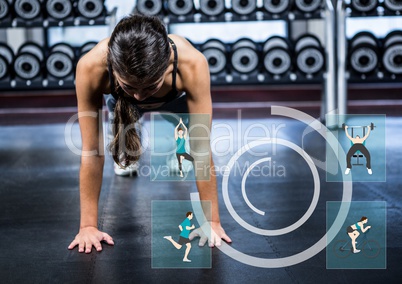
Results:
260 20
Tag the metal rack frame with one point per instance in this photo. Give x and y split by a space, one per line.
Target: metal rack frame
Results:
341 52
329 96
341 58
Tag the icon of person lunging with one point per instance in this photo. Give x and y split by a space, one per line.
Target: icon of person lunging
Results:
180 135
185 228
358 146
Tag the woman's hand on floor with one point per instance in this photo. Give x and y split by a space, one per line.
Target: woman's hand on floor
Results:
211 232
88 237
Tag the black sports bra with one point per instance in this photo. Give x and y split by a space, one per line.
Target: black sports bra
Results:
173 93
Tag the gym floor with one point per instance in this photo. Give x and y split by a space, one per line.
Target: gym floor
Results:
39 213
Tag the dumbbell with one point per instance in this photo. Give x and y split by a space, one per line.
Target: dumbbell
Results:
244 7
149 7
364 6
212 8
180 7
392 56
363 53
4 9
86 47
277 59
28 62
59 9
276 6
28 9
6 60
215 52
4 67
308 6
60 61
90 9
244 57
309 55
372 126
393 5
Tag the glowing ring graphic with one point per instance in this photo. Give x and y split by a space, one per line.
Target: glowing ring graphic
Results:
249 227
243 185
337 224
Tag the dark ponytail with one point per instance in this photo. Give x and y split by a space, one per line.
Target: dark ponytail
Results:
138 50
126 143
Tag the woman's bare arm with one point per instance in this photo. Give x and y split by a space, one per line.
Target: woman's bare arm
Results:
175 131
185 131
89 97
200 103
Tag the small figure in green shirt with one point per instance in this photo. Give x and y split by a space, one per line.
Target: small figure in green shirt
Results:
180 135
185 228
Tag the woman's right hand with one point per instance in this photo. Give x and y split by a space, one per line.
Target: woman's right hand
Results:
88 237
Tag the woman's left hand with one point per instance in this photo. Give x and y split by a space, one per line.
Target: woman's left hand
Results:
211 232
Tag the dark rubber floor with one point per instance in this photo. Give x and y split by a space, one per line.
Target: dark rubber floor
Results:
39 214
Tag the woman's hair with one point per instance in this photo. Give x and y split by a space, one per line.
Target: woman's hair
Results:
363 218
138 51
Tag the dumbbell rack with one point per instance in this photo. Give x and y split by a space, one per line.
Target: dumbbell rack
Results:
343 77
263 78
254 78
16 84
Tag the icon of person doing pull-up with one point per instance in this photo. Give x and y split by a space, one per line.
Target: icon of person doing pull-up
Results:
180 135
358 146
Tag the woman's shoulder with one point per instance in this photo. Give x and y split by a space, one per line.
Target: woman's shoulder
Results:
92 67
187 53
191 62
96 56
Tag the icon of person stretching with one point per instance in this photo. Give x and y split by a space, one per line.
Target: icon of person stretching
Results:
185 228
358 146
180 135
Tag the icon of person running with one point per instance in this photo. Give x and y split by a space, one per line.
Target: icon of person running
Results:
358 146
185 228
353 232
180 135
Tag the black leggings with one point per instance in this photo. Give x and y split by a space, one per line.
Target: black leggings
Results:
358 147
186 156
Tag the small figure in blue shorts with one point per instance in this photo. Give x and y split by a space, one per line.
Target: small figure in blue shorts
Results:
185 228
